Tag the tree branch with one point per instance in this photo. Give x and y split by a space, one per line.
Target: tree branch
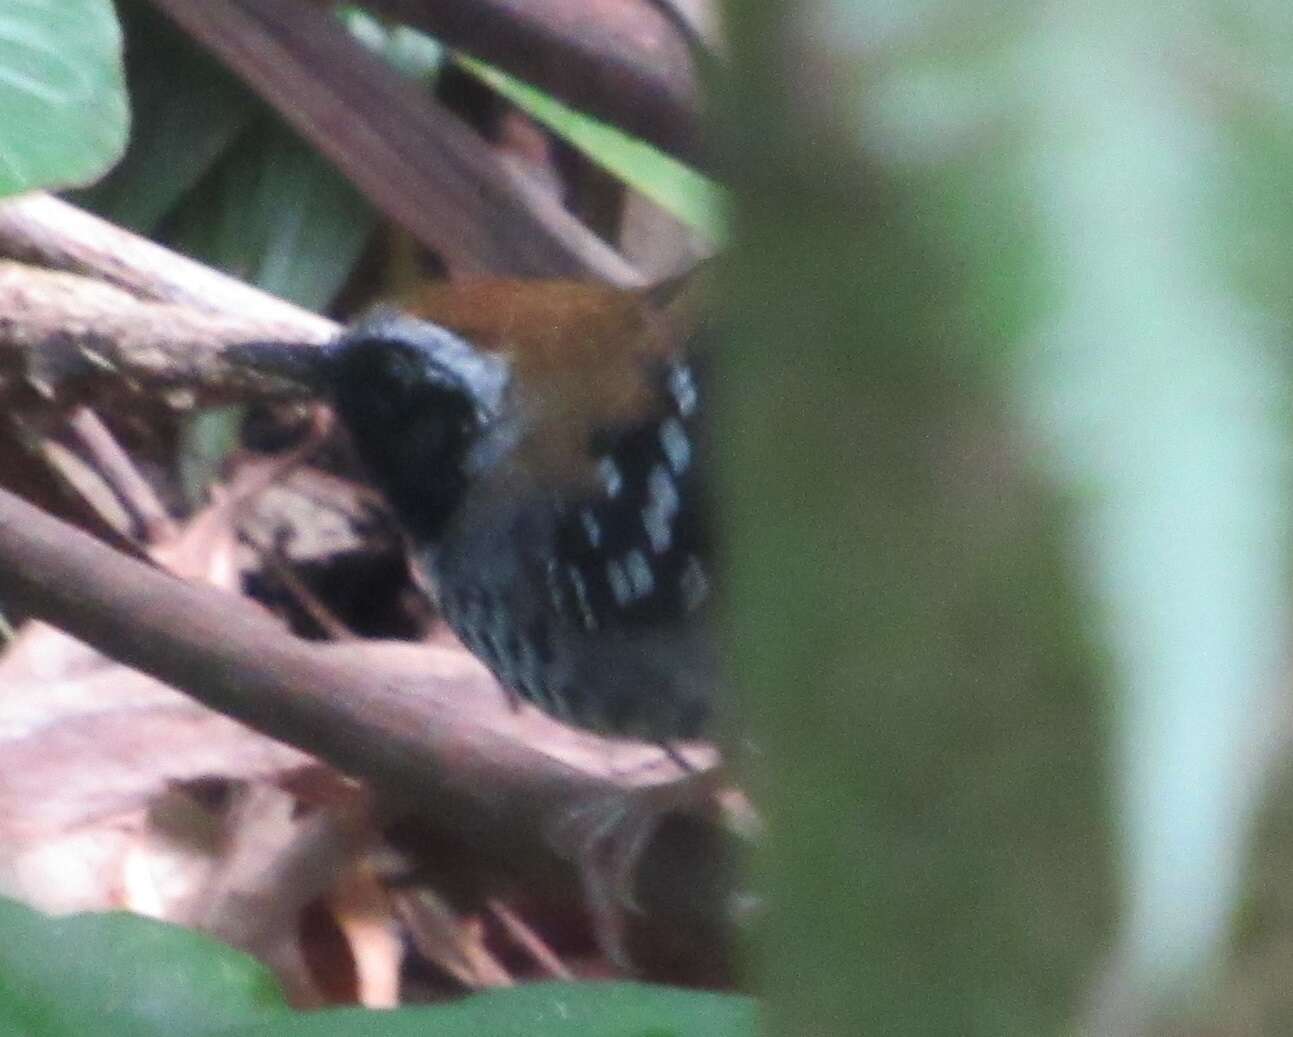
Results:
121 315
66 338
428 727
624 61
412 158
40 229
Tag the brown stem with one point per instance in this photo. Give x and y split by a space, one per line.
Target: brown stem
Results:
416 161
624 61
118 470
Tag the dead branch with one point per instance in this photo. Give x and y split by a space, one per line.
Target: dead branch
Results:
42 230
426 726
624 61
65 338
117 314
412 158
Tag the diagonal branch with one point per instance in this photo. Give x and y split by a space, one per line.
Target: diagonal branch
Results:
119 314
624 61
40 229
65 338
426 726
415 160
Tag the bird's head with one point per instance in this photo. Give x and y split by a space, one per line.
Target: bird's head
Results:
415 398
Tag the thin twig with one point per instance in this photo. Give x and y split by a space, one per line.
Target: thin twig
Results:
272 558
114 464
446 939
523 934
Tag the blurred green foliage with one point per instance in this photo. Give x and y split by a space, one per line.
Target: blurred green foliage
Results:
1068 220
119 974
905 636
63 111
540 1010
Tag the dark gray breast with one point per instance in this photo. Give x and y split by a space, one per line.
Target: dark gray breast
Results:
593 604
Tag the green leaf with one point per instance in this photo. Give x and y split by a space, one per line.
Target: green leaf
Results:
122 974
188 110
1129 234
540 1010
690 196
207 437
63 111
1162 394
277 215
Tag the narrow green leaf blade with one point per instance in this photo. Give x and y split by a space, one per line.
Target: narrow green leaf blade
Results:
692 197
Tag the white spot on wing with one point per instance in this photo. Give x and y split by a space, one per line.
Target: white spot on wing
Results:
610 475
554 584
581 598
683 388
661 506
639 573
619 581
676 445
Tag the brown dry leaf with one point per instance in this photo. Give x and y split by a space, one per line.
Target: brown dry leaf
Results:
363 911
39 652
89 749
274 862
322 514
90 754
207 549
82 750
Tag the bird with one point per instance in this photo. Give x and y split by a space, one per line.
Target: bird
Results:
542 445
